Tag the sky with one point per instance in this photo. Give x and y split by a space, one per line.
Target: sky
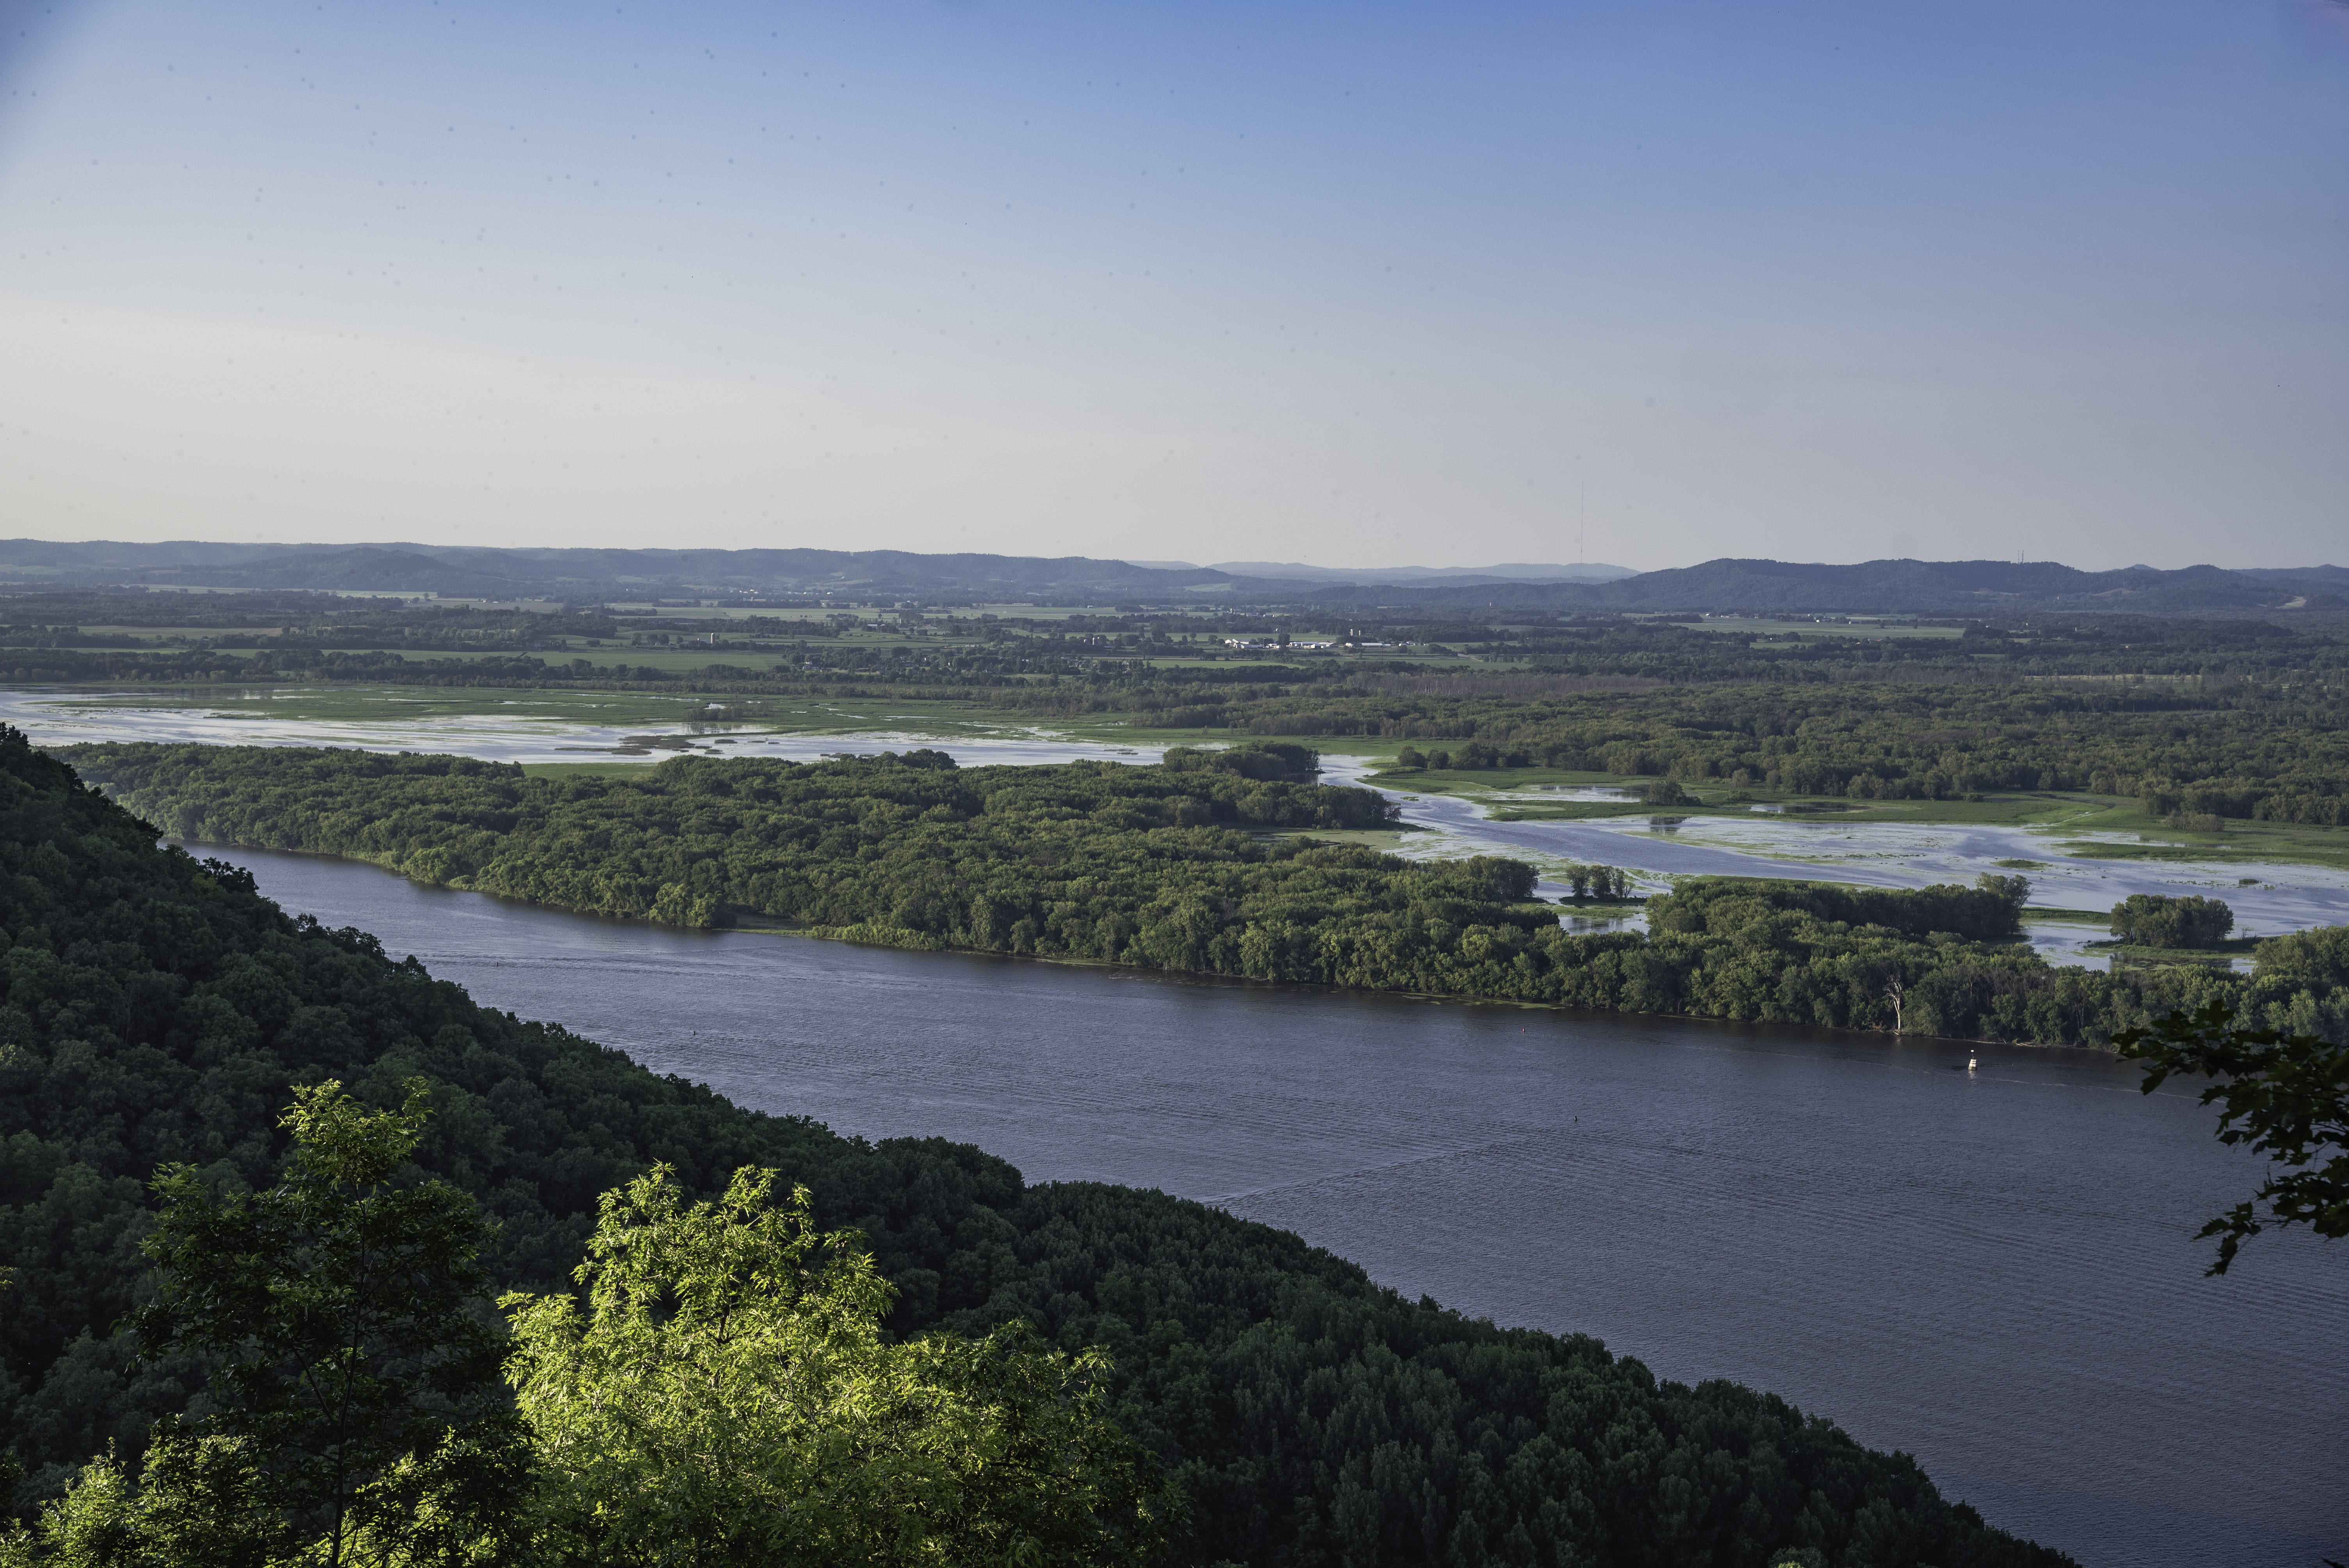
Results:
1369 285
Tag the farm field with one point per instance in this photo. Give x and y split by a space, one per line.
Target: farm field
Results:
1759 626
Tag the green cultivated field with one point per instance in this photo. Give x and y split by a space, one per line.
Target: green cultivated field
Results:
358 704
675 661
1760 627
374 704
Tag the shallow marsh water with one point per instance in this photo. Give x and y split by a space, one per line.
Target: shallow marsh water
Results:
2282 897
1992 1270
517 731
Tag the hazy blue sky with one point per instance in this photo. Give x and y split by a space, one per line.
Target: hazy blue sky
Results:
1371 282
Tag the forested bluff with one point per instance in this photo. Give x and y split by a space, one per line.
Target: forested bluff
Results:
1200 863
156 1009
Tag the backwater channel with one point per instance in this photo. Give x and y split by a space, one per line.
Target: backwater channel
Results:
1993 1270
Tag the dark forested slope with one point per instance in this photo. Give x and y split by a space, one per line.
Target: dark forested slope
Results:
153 1009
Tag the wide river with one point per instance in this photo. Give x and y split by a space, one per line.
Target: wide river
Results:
1994 1270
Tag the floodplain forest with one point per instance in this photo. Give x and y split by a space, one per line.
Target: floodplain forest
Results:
1205 863
2201 720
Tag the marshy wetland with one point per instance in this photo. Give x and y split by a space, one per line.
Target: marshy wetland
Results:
2076 865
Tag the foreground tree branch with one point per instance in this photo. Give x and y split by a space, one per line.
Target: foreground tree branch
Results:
2287 1096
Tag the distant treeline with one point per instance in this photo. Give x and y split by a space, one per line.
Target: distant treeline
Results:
1058 672
2173 751
2294 650
1169 867
154 1009
213 666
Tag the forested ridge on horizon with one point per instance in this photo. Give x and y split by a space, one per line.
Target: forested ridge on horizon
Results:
1724 583
1192 864
155 1009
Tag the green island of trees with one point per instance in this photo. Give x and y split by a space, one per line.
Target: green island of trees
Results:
1195 864
2154 920
157 1015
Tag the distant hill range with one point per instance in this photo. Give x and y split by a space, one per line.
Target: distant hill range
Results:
1445 576
1724 586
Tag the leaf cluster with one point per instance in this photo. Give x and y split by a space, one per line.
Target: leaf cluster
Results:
333 1307
2285 1096
725 1396
2157 920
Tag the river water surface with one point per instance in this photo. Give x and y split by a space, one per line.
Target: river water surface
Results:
1993 1270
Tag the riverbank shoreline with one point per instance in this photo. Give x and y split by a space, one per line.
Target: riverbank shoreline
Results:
918 941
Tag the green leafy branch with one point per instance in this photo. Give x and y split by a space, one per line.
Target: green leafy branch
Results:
2286 1096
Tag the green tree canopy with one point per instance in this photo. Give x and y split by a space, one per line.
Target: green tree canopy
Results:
2157 920
356 1403
726 1397
338 1304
